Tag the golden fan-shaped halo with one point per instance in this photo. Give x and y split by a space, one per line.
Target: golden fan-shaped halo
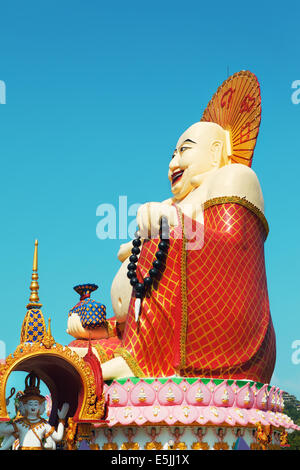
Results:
236 106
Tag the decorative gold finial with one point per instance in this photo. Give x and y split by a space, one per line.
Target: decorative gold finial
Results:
34 301
48 339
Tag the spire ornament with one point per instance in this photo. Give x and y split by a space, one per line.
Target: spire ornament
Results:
48 340
33 327
34 301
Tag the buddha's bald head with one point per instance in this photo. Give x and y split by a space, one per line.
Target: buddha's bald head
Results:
203 147
200 130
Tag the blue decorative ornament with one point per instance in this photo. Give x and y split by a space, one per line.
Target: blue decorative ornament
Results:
92 313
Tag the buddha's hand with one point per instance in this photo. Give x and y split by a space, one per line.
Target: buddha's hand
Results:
149 216
124 251
49 444
62 413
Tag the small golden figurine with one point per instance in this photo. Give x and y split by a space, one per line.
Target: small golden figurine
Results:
199 444
254 444
284 439
70 434
221 444
109 445
153 444
129 445
177 444
264 436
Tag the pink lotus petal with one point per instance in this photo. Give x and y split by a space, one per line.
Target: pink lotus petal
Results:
156 413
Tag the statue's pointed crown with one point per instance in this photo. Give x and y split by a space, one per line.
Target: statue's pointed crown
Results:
32 388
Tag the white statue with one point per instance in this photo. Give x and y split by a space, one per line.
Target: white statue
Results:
32 431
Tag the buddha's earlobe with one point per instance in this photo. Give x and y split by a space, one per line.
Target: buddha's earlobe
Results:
216 149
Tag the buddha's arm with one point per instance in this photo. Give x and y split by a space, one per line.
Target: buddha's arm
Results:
233 202
76 329
7 442
58 435
52 435
9 432
6 429
234 180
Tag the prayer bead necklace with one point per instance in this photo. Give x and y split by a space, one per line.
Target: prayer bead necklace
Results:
141 288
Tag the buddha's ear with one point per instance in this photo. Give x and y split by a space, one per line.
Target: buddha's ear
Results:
21 408
216 148
42 408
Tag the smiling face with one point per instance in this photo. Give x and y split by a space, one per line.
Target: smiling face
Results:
32 407
199 150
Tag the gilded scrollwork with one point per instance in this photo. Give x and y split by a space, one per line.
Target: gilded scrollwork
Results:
92 407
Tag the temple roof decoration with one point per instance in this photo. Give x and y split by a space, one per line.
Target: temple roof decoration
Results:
33 327
92 313
90 403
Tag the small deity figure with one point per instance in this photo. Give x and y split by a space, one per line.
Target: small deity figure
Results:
130 445
199 444
70 434
93 444
170 395
169 445
153 444
109 445
16 443
276 445
284 439
33 432
178 444
264 436
220 444
237 434
254 444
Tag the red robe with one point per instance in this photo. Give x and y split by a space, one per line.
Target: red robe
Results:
208 315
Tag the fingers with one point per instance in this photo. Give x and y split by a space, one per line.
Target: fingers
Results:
142 219
63 411
173 217
149 216
154 216
124 251
65 407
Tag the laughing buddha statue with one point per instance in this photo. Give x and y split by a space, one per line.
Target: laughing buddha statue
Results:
207 313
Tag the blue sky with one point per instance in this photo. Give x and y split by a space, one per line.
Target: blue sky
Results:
97 95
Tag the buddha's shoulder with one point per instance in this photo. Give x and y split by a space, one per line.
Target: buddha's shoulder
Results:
236 180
